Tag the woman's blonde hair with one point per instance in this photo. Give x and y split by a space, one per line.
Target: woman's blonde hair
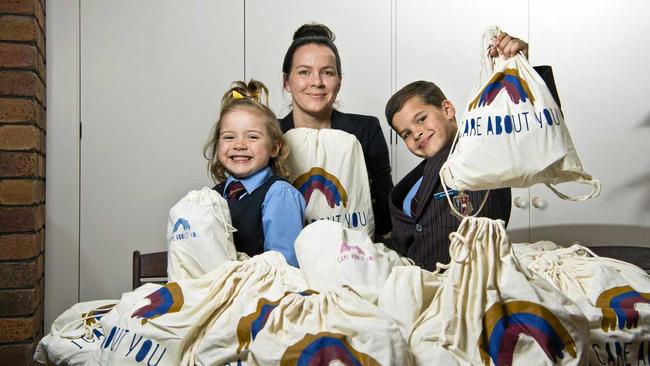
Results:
254 97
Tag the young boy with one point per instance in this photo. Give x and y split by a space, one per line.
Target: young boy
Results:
426 120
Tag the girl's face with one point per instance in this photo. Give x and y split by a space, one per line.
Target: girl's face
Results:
425 128
313 80
245 146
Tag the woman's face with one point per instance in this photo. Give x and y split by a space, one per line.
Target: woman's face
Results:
313 80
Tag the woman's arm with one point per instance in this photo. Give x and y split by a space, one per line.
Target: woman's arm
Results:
381 182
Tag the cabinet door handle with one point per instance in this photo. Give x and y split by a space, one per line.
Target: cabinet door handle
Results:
521 202
539 203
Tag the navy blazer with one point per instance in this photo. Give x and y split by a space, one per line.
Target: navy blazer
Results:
375 152
425 237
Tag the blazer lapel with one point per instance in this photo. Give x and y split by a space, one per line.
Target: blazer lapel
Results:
286 123
431 177
341 121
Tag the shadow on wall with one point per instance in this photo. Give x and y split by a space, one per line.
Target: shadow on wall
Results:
646 122
638 182
588 235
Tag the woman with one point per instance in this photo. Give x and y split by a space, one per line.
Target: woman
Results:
312 75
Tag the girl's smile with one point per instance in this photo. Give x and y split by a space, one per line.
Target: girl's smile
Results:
244 143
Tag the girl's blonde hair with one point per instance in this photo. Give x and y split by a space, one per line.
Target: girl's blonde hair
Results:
253 96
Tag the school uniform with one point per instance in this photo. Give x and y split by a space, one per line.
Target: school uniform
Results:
268 216
423 235
375 152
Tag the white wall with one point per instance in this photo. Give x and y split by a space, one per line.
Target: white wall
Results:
62 168
599 52
152 76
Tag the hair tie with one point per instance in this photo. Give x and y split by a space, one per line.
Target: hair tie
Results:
237 95
256 96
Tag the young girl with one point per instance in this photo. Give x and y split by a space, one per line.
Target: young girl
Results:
246 154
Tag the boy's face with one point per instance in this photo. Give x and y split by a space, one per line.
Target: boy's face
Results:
244 143
425 128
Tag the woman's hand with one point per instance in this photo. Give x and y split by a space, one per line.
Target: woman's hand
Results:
508 46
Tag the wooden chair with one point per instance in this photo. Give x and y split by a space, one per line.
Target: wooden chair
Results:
149 267
639 256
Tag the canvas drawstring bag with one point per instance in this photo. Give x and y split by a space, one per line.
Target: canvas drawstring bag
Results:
491 310
199 235
512 133
328 168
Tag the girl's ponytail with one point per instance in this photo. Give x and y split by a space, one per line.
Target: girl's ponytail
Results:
240 92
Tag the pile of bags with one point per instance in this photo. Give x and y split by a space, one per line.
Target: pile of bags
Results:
258 311
360 303
75 335
613 295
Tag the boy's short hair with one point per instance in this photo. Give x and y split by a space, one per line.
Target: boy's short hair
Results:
429 92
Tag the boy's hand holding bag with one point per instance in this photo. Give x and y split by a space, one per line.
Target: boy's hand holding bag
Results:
512 133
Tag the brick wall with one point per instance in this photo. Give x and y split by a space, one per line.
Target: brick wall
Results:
22 178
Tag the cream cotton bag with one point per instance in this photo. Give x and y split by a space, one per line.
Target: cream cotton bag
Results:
328 168
163 326
74 335
333 328
227 337
407 292
491 310
618 308
524 251
331 255
512 133
199 235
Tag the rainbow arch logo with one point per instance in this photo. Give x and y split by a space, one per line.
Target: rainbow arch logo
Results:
323 348
345 248
618 305
516 87
181 222
167 299
319 179
503 323
251 324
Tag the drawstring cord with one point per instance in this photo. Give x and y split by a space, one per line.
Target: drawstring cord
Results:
552 264
459 250
89 328
221 217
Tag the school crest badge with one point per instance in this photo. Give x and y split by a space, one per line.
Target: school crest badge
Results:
463 205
